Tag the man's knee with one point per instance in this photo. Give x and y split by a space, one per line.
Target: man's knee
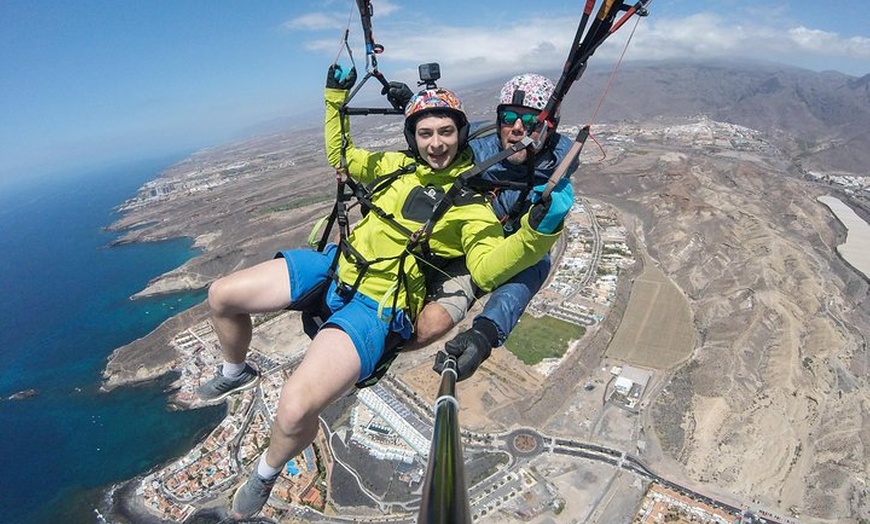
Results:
433 323
294 417
218 295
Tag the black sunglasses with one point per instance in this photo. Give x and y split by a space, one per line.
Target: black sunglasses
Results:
508 118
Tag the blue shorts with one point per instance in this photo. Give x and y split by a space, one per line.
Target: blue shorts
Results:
356 316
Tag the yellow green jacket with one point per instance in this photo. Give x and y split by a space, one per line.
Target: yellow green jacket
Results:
469 228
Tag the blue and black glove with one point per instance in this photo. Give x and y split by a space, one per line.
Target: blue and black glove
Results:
547 217
470 348
339 78
398 94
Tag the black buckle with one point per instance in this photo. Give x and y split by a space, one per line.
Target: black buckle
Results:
344 291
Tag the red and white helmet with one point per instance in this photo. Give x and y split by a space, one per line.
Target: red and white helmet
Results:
429 99
527 90
435 100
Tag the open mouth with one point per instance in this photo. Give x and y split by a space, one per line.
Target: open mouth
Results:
438 158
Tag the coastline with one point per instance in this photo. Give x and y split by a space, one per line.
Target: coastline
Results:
234 218
151 356
176 281
133 371
122 505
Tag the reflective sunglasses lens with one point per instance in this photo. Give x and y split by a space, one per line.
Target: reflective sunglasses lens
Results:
530 120
508 118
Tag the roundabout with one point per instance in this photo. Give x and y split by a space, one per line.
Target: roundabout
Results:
525 442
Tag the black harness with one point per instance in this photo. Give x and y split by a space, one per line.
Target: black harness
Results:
419 206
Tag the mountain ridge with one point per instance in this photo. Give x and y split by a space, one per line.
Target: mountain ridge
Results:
823 116
781 322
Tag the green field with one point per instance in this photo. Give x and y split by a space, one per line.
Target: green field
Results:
535 339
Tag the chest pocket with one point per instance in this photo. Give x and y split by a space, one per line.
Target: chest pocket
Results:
421 202
468 196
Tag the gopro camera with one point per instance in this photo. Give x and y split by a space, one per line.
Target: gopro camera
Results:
429 73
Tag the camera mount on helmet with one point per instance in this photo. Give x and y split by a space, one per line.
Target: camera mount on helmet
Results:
429 73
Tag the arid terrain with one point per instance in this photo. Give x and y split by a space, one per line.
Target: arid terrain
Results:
772 403
755 328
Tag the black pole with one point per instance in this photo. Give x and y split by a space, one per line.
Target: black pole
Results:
445 498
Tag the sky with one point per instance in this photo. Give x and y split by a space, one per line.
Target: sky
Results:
95 81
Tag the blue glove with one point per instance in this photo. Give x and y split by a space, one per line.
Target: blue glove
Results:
546 217
340 78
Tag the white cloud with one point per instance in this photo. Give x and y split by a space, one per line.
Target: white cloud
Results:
812 39
470 53
385 8
858 46
827 43
534 44
327 45
710 36
696 36
334 20
315 22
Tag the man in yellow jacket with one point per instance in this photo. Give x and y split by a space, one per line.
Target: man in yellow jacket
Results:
375 277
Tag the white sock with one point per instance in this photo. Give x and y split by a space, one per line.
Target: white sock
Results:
231 370
265 470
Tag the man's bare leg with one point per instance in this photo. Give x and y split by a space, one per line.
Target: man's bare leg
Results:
330 367
433 323
232 299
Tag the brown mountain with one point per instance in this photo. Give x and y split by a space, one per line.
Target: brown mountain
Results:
772 402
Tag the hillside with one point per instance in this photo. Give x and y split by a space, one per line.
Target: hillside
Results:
822 118
772 404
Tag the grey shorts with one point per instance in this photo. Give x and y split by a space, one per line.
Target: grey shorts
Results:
452 289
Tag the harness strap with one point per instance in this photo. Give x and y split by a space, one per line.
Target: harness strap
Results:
383 181
520 203
362 264
377 185
422 235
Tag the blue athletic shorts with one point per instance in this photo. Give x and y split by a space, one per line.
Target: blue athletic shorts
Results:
357 316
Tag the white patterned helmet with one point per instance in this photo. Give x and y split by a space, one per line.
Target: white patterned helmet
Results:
527 90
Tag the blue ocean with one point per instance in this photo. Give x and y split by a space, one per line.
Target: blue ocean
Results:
64 308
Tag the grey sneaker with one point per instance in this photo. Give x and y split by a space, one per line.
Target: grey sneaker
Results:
252 496
220 386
